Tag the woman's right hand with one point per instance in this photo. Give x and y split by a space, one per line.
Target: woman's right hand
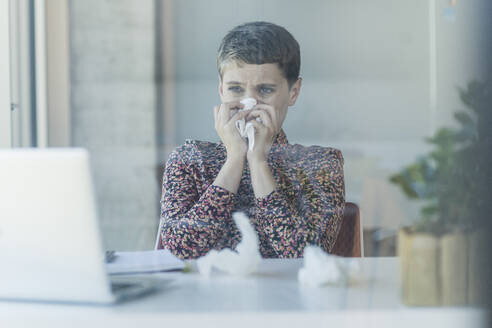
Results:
225 125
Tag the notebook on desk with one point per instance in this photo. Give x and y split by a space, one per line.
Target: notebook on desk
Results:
50 242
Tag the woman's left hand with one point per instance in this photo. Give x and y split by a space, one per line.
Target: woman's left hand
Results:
265 132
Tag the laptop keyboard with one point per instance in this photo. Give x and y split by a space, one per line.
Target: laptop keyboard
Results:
119 286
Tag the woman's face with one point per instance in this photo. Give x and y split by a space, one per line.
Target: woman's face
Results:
263 82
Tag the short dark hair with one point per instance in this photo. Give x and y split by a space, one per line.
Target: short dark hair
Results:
261 43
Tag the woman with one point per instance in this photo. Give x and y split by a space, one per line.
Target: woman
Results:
294 195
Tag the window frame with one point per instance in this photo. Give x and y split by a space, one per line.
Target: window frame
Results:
5 90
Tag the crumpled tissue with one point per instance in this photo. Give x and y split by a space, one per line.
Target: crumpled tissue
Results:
321 268
247 130
243 261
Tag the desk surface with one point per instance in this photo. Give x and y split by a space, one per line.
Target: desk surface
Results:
275 288
272 296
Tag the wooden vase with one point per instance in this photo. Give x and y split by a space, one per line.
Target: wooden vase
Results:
419 268
438 270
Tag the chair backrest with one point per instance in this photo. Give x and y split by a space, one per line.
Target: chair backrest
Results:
349 239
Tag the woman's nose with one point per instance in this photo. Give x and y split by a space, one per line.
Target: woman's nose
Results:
254 95
250 94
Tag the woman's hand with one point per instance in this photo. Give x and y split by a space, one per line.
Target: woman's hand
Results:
225 125
265 132
262 180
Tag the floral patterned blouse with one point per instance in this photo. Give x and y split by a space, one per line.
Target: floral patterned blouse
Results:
307 207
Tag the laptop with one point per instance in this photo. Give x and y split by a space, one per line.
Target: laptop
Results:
50 240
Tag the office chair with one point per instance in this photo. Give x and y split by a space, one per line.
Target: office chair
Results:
348 243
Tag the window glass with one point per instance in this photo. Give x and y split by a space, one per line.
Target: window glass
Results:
379 77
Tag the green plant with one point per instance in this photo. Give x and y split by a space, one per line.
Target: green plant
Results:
448 178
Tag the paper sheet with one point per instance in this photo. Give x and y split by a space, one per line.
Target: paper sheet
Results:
144 262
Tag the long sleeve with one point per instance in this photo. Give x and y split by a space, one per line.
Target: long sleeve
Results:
312 216
192 223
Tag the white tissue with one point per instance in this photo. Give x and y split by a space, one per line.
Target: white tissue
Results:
247 130
321 268
244 260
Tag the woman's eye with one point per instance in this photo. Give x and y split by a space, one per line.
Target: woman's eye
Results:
266 91
235 89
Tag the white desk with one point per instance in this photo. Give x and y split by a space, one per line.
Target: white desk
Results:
271 298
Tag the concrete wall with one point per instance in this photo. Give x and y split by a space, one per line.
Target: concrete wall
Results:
113 113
